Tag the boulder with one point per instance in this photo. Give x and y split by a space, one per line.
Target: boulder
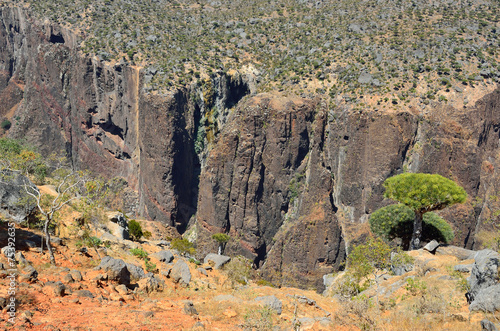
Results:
8 251
180 273
83 294
432 246
458 252
216 261
116 269
136 272
164 256
271 302
463 267
54 289
488 325
399 269
12 196
483 281
150 283
76 275
487 299
189 308
117 231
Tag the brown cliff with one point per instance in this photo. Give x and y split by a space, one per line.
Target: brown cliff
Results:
292 181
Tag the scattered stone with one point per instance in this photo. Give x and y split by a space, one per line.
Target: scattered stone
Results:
147 314
199 325
365 78
116 297
76 275
118 226
432 246
202 271
68 278
180 273
166 272
229 313
31 274
189 308
116 269
306 322
3 303
136 272
216 261
150 283
121 289
458 252
83 294
463 267
400 269
487 325
8 251
54 289
164 256
271 302
56 241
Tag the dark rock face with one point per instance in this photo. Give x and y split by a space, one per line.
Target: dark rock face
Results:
13 203
292 181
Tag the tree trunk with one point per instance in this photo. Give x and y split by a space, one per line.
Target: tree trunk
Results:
47 241
417 231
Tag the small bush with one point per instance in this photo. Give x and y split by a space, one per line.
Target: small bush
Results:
150 267
183 246
135 229
416 286
238 270
258 319
6 124
139 252
93 241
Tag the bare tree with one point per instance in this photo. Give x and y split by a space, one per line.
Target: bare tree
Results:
66 190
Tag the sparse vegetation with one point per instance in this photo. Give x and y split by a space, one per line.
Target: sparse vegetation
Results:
297 46
135 229
183 246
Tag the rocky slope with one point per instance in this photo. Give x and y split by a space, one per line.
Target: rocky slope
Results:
292 180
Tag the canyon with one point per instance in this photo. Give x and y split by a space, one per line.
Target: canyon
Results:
292 180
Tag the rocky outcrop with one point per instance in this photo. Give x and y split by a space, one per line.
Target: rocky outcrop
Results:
14 202
484 282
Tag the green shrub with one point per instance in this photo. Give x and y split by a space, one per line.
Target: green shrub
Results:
6 124
258 319
183 246
93 241
150 267
238 270
139 252
396 221
135 229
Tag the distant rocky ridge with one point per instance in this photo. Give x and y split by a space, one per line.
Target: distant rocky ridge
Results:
292 180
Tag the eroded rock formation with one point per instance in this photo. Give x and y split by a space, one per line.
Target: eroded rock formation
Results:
293 181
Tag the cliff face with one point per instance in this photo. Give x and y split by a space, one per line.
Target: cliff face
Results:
290 180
